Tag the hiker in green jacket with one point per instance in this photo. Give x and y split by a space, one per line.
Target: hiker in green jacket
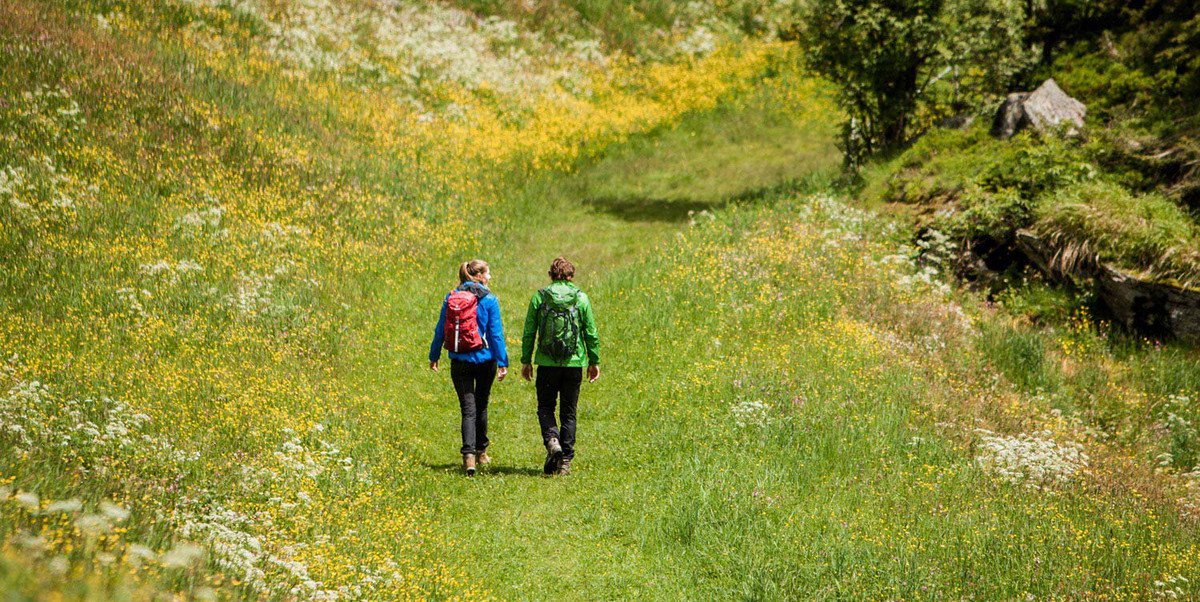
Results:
560 321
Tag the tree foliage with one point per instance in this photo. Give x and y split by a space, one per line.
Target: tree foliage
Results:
902 64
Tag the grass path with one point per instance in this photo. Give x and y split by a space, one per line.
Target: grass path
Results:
517 527
521 532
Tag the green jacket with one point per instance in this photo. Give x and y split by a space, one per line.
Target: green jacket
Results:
587 352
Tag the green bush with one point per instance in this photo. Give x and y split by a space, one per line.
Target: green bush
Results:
1145 232
977 184
1103 82
1043 303
982 213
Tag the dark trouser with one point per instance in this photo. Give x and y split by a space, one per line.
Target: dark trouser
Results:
558 386
473 383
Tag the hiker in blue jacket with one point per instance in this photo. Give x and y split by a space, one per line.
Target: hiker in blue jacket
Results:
469 328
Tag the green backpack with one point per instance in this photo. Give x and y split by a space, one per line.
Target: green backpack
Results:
558 324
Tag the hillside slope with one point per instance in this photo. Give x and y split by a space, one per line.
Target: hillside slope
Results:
226 229
201 205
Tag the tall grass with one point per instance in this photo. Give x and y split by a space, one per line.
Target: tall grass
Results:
1147 231
195 241
217 383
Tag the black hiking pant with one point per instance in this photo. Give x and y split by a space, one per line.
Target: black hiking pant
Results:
558 386
473 383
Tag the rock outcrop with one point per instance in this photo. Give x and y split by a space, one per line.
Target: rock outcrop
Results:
1154 309
1047 107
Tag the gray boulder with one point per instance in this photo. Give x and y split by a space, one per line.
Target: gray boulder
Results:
1045 108
1009 115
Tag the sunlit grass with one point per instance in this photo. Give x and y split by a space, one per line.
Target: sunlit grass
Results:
221 275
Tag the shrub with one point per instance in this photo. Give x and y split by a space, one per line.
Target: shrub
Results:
1145 232
1105 83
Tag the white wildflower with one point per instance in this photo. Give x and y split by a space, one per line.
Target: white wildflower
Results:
750 412
59 565
182 555
275 234
132 300
699 42
33 543
1171 587
200 221
28 500
93 524
66 506
1034 461
139 554
62 201
172 272
253 293
113 511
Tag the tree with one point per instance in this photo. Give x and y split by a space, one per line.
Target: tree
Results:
901 64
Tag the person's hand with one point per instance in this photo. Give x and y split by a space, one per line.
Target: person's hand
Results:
433 366
501 372
593 373
527 371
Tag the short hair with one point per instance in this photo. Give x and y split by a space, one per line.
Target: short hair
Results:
561 269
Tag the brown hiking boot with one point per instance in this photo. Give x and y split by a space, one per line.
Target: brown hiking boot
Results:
564 467
554 453
469 464
482 458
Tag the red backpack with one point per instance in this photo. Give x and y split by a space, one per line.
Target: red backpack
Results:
462 322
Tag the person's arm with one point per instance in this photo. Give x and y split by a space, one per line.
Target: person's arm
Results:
591 338
529 336
439 337
495 333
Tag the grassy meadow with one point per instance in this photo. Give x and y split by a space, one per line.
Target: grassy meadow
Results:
225 230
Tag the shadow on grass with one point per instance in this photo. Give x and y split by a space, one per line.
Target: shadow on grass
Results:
650 210
646 209
487 470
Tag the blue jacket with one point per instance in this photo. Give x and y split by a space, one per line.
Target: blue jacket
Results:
489 326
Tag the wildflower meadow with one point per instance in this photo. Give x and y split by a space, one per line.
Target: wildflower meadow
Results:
226 227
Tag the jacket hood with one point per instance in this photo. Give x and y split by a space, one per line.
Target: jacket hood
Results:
561 293
480 290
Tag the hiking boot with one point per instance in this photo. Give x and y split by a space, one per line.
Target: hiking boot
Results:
564 467
469 464
482 458
553 456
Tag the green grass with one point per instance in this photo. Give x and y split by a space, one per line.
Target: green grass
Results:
973 187
848 491
738 153
1147 231
589 531
784 413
